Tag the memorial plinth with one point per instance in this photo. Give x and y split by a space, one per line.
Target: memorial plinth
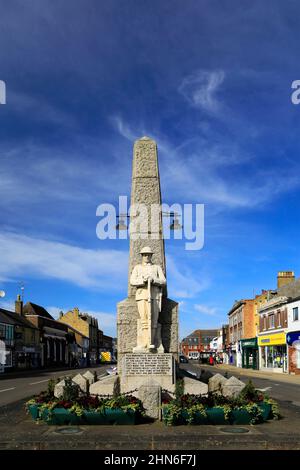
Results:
138 368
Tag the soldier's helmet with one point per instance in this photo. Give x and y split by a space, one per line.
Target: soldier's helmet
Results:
146 251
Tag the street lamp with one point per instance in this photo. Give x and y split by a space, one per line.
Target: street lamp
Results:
175 224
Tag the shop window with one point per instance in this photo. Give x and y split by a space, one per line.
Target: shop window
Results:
295 314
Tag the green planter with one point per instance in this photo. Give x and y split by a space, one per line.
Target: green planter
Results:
109 416
61 416
34 411
266 409
240 417
216 416
198 418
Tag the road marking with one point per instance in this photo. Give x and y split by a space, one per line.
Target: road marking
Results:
264 389
7 389
41 381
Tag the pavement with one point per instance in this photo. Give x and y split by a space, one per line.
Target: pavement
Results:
19 431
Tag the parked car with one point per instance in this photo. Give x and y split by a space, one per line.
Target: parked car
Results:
182 358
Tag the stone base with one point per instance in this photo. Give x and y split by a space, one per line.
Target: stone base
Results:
150 395
194 387
137 368
104 386
127 328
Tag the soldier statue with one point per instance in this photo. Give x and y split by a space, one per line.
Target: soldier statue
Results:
149 279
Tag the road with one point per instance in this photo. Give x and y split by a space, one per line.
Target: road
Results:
278 390
25 384
22 385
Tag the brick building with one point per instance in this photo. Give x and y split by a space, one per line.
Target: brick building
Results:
241 326
88 327
273 323
197 342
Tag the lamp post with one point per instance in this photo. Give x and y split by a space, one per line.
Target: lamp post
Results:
174 216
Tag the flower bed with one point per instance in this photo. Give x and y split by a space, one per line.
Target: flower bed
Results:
249 407
85 410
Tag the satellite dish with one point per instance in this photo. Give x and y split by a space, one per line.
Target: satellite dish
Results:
2 293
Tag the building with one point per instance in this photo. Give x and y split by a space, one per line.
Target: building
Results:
54 335
272 335
88 327
273 323
78 349
21 339
7 337
197 342
241 326
293 336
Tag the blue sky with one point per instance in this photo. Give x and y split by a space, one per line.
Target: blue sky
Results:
210 81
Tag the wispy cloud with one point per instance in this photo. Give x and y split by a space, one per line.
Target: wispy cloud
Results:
91 269
206 310
182 281
123 128
200 89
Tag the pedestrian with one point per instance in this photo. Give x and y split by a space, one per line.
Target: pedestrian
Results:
211 360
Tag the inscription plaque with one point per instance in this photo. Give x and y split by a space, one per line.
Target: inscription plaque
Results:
148 364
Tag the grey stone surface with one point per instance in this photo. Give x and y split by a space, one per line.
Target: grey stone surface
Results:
89 376
136 370
232 387
59 388
104 386
145 189
215 383
127 327
150 395
82 382
194 386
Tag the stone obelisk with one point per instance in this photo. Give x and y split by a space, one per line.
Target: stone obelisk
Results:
145 190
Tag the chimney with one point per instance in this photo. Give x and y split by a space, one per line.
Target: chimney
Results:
19 305
285 277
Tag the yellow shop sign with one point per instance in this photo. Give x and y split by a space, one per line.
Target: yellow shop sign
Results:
272 339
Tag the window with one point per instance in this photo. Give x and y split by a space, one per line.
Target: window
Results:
2 331
295 314
271 321
264 322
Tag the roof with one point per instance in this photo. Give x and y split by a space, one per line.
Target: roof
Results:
33 309
4 318
236 305
203 333
13 318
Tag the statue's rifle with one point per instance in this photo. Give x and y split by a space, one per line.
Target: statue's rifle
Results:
150 310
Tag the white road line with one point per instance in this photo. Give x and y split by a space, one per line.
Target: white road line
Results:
264 389
7 389
41 381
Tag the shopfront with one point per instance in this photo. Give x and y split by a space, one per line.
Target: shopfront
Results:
273 352
293 343
249 349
